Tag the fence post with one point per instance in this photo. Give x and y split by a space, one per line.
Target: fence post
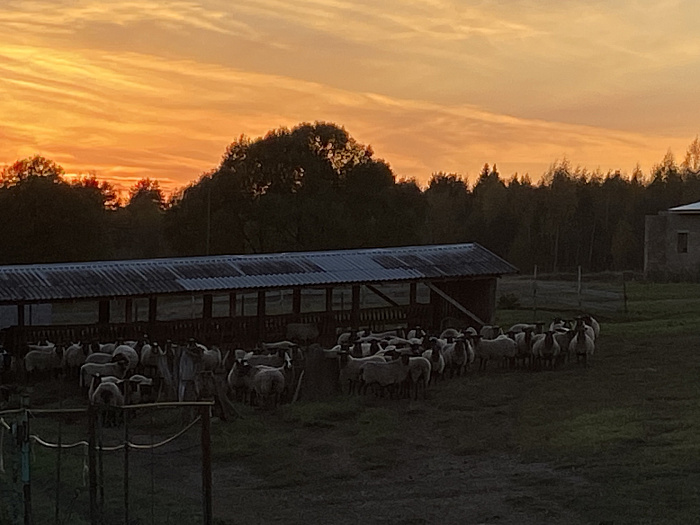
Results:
92 470
534 295
26 467
578 289
125 414
205 413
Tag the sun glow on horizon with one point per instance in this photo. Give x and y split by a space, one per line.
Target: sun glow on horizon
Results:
159 89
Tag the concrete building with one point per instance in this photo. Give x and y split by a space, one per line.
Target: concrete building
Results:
672 243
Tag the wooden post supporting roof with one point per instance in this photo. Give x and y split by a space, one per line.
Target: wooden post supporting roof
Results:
261 315
296 303
232 304
355 308
207 306
329 299
20 314
103 312
152 309
128 310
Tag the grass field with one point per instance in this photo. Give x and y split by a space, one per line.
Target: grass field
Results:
618 442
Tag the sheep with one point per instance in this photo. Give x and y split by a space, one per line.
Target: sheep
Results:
546 348
582 345
490 331
519 328
105 391
116 369
523 340
48 361
457 356
211 358
385 375
593 324
127 351
417 332
272 360
74 357
99 358
134 386
266 383
351 367
500 348
449 332
419 374
437 362
41 346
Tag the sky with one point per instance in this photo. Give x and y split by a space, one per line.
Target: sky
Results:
158 88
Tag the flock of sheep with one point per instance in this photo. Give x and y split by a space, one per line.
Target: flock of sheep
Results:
138 371
387 363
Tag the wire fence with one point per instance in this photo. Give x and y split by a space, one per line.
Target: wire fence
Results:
146 464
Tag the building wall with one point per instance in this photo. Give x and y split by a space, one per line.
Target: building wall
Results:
662 257
476 295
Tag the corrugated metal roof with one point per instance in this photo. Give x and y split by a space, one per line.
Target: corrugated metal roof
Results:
693 207
103 279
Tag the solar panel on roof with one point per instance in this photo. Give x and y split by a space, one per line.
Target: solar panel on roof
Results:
198 270
275 267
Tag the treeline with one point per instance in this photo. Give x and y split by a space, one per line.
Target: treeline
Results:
314 188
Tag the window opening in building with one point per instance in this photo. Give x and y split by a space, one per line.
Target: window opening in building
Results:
682 245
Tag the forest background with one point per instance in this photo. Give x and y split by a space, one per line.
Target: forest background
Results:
313 187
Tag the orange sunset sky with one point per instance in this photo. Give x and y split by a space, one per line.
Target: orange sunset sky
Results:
157 88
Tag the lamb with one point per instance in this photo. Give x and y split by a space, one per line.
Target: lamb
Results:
582 345
116 369
385 375
546 348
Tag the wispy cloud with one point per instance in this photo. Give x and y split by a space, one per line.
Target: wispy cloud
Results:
159 88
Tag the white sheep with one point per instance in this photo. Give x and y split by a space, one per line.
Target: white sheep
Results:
419 374
127 351
498 349
99 358
43 360
582 345
523 340
116 369
490 331
437 362
350 368
267 383
457 356
593 324
385 375
545 348
522 327
74 357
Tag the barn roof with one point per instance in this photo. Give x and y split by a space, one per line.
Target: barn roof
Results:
692 208
130 278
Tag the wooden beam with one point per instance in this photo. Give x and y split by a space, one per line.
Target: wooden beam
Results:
20 314
454 303
262 312
103 312
329 299
413 294
128 310
152 309
296 301
355 307
232 304
381 295
207 306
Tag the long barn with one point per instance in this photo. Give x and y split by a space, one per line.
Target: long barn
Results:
244 299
